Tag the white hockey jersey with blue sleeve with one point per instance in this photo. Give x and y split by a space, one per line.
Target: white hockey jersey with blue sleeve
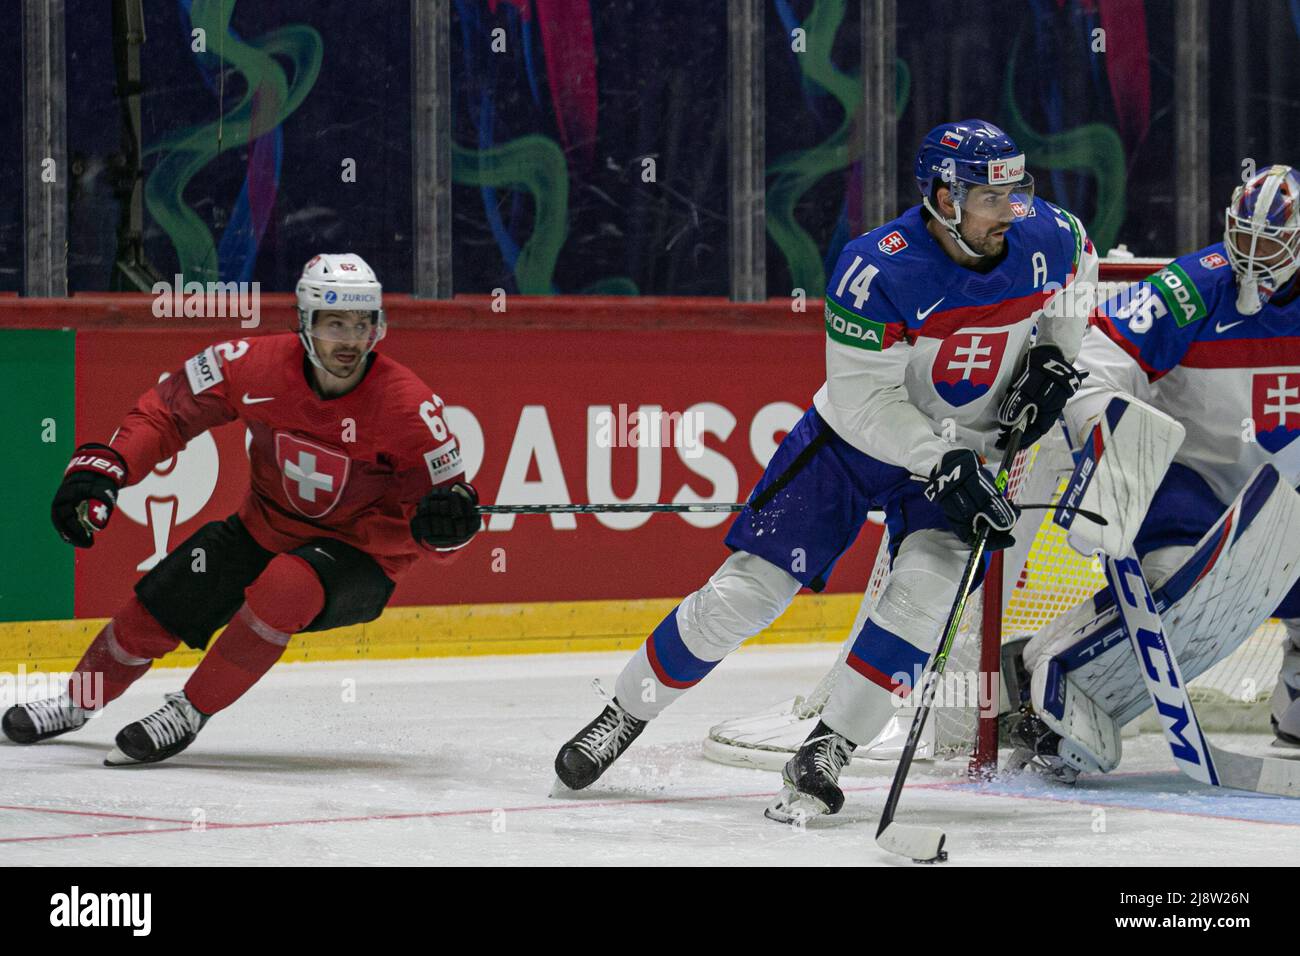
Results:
1177 341
920 350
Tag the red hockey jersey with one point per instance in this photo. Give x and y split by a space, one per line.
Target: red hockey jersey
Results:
351 467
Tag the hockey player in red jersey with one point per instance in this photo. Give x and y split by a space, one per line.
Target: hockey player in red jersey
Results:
354 474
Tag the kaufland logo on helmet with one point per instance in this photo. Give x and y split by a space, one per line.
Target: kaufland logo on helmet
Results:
1002 171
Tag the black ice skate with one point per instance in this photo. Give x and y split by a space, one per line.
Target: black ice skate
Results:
1284 713
584 758
42 719
1038 748
812 777
164 733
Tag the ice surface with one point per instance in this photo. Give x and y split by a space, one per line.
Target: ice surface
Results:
449 762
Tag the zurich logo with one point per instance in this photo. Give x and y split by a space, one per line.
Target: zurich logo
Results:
331 297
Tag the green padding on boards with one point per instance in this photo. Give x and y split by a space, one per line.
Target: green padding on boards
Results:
38 395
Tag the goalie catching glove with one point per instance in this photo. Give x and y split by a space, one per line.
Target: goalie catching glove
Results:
447 517
967 494
86 498
1045 383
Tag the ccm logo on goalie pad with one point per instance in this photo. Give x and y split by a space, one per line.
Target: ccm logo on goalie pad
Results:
443 461
1149 640
204 370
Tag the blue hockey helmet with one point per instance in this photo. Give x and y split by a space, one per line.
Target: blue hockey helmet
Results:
968 154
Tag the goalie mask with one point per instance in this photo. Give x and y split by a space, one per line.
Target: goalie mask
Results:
338 282
1262 235
984 171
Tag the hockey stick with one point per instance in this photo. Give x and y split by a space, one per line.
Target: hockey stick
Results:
591 509
921 843
583 509
1192 752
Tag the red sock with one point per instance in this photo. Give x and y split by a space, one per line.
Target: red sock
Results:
119 654
282 601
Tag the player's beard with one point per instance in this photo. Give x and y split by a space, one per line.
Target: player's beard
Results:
340 369
985 241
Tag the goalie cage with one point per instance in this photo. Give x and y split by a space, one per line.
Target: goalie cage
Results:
1031 583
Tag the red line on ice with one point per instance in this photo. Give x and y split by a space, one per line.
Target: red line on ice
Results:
966 786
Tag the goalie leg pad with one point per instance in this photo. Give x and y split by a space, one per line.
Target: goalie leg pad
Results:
1086 683
742 598
889 653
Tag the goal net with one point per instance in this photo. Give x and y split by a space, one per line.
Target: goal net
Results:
1031 583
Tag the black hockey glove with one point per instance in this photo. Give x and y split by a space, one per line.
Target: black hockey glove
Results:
85 500
1045 383
447 517
967 494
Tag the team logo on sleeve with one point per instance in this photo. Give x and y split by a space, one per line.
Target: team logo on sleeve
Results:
312 475
1275 405
1213 261
967 365
892 243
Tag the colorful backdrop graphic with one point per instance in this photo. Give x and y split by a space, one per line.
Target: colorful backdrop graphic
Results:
266 96
557 107
244 142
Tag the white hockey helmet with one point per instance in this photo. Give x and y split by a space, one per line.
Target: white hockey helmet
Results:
1262 235
342 282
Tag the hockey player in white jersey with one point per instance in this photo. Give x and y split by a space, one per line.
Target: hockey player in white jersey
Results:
943 329
1213 341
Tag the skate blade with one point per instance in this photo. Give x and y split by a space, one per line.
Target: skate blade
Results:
561 790
795 808
116 758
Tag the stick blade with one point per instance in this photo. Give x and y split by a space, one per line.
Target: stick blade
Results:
919 844
1275 775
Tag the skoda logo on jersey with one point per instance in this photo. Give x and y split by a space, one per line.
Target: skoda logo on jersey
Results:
312 475
331 297
967 364
1275 405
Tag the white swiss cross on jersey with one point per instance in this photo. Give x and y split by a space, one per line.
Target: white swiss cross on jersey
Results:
313 476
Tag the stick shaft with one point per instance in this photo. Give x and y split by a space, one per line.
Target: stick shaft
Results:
703 508
934 670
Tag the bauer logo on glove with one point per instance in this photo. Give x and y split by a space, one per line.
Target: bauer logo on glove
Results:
86 497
